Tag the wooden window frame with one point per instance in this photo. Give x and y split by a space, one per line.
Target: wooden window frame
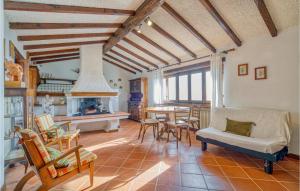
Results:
188 73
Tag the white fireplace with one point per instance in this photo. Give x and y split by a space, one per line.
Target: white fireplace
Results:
92 85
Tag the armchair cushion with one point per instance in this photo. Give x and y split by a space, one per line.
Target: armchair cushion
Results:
54 154
42 150
85 157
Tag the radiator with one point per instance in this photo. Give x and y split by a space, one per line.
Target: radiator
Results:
204 117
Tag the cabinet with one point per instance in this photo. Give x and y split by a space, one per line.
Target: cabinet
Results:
138 98
15 115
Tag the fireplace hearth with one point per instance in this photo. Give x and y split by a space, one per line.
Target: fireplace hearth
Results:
91 106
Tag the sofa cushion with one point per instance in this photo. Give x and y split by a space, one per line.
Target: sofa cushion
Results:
239 127
54 154
270 123
267 145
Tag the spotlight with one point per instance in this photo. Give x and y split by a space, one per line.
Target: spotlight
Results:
148 21
139 30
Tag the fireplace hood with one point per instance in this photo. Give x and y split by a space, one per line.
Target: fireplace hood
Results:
91 81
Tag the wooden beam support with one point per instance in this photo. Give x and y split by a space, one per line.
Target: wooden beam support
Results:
62 36
214 13
263 10
41 7
144 50
122 62
40 53
56 60
136 55
129 59
54 56
188 26
171 38
40 46
148 7
145 38
124 68
19 25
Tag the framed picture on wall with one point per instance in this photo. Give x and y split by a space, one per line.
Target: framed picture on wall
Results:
261 73
242 69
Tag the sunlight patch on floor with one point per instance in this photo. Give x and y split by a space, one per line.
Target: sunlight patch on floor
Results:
108 144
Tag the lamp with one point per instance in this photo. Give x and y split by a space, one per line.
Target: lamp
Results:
139 30
148 21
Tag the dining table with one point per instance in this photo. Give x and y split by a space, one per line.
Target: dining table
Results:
169 111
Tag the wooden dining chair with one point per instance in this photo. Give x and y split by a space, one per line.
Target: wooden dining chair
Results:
147 123
44 166
194 119
53 133
180 122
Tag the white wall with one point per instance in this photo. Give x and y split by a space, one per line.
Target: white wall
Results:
62 69
11 35
281 56
1 96
112 72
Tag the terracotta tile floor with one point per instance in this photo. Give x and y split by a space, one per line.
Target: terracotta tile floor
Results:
125 164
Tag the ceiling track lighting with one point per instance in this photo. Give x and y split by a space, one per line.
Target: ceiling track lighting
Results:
139 30
148 21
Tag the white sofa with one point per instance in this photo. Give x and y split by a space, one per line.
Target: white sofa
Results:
269 137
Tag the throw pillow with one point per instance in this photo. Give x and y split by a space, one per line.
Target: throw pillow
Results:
239 127
54 154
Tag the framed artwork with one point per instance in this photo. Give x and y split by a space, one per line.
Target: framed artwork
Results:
261 73
242 69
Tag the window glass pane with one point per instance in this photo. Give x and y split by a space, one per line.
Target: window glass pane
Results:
208 86
164 89
172 88
196 86
183 87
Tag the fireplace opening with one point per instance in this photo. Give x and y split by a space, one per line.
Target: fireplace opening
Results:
91 106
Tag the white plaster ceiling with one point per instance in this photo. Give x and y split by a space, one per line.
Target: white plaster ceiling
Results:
241 15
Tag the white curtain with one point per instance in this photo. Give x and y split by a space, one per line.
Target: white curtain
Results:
217 80
157 86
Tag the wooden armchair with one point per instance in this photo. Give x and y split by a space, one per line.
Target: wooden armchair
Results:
43 167
53 133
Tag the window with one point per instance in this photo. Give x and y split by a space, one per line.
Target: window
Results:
192 87
165 89
172 88
208 85
196 86
183 87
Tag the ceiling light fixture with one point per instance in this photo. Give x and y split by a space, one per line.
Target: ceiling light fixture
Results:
148 21
140 29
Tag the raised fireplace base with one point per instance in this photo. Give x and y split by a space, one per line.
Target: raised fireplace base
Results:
106 122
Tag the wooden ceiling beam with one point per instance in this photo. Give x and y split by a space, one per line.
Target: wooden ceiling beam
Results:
40 53
40 46
21 25
56 60
263 10
171 38
136 55
214 13
124 63
41 7
129 59
124 68
147 7
188 26
144 50
62 36
53 56
145 38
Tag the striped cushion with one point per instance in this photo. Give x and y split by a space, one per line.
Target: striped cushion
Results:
41 148
44 122
85 157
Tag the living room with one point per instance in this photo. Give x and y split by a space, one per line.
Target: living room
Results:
149 95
